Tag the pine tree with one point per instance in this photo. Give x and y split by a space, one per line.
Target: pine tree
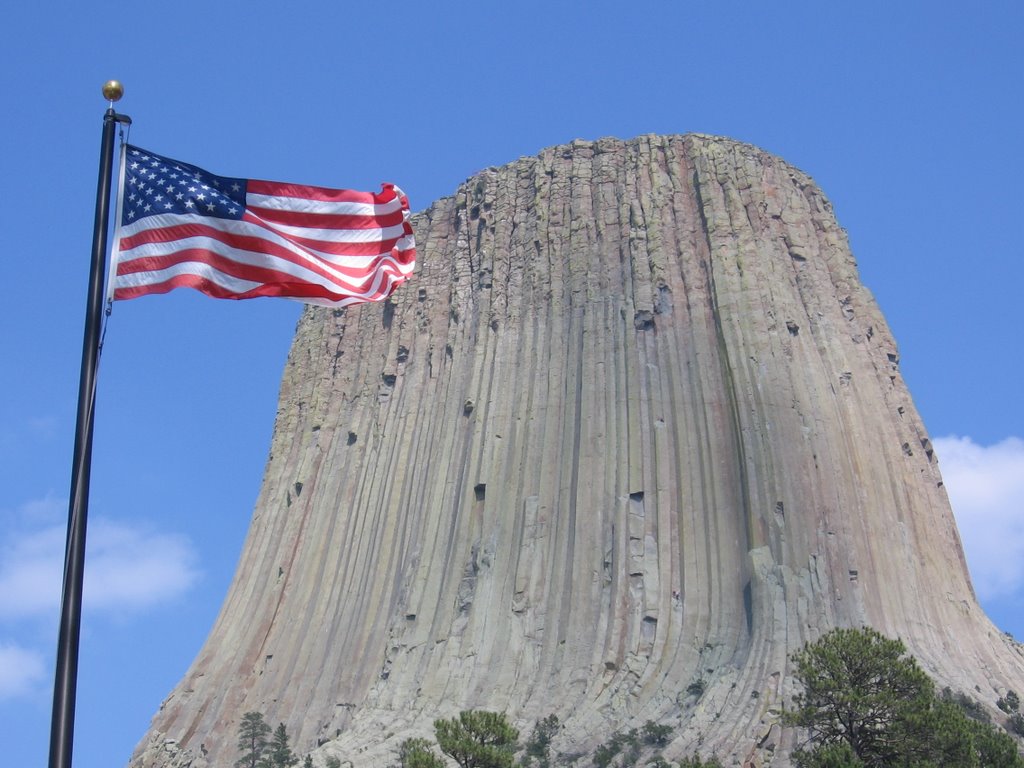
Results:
252 740
478 739
280 754
416 753
867 703
538 748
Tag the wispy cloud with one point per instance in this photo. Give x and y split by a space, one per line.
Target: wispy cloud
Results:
129 569
49 508
21 670
986 489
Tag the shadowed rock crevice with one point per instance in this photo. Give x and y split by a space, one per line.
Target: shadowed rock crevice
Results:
633 434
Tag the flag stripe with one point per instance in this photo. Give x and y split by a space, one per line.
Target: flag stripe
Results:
325 221
180 226
224 287
159 275
310 193
328 234
349 208
253 265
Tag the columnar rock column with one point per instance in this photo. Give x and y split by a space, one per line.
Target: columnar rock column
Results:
634 432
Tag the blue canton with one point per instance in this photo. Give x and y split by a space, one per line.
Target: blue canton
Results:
158 185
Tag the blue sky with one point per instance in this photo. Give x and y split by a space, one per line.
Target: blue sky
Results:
907 114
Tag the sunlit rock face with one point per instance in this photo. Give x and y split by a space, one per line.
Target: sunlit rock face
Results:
634 430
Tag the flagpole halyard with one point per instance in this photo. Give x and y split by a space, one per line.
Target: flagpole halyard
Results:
115 252
65 684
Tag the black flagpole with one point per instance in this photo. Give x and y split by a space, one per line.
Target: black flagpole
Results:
62 726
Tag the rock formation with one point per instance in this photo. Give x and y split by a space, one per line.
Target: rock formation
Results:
633 433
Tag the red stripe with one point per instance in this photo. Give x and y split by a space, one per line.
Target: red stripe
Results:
293 290
332 247
258 273
210 288
322 194
327 220
253 243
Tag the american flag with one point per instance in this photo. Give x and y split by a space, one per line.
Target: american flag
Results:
178 225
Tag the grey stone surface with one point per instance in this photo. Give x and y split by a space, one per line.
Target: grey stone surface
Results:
634 424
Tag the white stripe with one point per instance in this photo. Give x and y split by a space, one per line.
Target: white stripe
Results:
250 230
303 205
333 279
338 235
236 226
239 285
197 268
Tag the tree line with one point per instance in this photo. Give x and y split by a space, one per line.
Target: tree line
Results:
864 703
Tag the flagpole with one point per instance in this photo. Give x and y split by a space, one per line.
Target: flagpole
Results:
62 725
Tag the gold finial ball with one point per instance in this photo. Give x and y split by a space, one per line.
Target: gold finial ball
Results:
113 90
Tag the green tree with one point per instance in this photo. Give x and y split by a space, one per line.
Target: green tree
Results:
696 762
860 689
478 739
971 707
279 753
416 753
333 762
866 703
656 735
994 749
625 746
252 739
307 762
1009 703
831 756
1015 723
538 747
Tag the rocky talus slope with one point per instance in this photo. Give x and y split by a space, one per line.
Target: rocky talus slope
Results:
635 429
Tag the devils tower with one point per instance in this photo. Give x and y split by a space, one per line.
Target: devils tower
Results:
633 433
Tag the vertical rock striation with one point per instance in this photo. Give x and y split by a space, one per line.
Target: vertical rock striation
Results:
635 430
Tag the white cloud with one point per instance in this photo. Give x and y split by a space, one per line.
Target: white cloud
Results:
127 569
47 509
132 569
986 489
21 670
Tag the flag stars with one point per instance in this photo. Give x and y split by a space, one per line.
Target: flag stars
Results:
170 187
